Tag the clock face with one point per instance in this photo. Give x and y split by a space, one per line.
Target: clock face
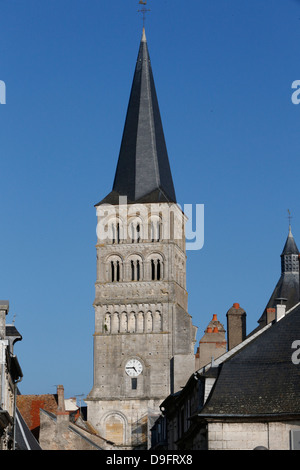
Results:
133 368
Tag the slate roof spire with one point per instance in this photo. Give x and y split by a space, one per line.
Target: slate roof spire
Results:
288 285
290 247
143 171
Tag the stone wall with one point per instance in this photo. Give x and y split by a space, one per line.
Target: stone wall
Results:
248 436
57 433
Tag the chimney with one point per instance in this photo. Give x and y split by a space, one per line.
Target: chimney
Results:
271 313
4 308
236 325
61 400
212 344
280 308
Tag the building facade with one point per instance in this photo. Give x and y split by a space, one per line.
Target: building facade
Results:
247 398
10 375
144 337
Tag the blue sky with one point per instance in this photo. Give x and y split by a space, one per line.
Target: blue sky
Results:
223 71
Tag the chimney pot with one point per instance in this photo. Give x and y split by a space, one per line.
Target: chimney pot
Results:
215 318
280 311
209 329
216 329
236 306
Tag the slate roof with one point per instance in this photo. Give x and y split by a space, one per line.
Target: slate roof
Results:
287 288
290 247
11 330
143 171
260 379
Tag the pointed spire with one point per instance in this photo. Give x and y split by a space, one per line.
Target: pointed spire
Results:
288 285
143 171
290 247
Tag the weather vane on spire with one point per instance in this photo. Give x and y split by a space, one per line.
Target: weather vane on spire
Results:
143 10
289 217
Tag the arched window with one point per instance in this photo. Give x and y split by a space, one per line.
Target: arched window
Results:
107 323
118 233
123 322
114 268
136 231
140 323
115 231
138 272
157 322
115 429
115 323
155 229
149 322
132 323
136 268
115 271
153 270
156 268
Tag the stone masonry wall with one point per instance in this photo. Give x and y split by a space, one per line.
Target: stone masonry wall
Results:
248 436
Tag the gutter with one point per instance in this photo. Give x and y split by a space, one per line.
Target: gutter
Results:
15 414
3 346
17 378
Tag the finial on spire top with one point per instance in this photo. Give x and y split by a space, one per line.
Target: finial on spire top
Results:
143 11
289 217
144 35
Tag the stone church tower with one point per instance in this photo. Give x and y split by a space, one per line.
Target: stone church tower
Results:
144 337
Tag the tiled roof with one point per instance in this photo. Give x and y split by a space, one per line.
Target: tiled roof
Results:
29 407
